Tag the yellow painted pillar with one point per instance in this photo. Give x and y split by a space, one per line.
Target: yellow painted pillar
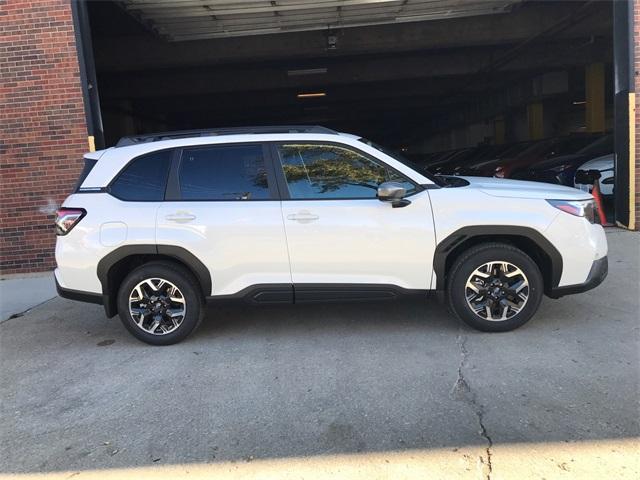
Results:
499 130
535 119
594 82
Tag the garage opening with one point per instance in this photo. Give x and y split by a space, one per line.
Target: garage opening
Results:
506 88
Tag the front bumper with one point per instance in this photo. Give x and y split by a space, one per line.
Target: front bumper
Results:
597 274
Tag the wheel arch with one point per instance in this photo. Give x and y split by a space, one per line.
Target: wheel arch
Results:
530 241
112 269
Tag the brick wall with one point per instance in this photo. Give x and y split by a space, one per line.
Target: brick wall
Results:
42 128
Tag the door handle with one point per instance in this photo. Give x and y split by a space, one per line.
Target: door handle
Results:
180 217
303 217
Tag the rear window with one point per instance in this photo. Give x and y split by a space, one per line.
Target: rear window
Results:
232 172
144 179
88 166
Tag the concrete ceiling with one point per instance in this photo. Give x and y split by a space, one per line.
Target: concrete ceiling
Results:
180 20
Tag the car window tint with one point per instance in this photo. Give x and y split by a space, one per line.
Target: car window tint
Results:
316 171
144 179
231 172
89 163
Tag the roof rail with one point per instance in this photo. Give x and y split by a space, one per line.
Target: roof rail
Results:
156 137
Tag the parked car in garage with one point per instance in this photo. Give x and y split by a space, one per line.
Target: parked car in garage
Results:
453 157
472 157
502 166
478 164
543 150
562 169
605 165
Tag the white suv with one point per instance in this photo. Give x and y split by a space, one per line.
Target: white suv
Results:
161 224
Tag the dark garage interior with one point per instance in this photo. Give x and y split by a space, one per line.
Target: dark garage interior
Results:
462 86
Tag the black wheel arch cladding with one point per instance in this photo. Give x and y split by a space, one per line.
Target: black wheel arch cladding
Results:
179 254
449 248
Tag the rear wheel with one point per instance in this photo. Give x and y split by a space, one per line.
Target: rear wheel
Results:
160 303
495 287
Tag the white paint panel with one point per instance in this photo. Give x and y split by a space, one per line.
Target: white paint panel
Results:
242 243
361 241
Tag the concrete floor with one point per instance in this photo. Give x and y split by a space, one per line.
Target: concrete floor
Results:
387 390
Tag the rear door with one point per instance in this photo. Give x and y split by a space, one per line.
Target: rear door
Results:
338 232
222 206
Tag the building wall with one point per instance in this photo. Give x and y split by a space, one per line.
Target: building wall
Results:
42 128
636 43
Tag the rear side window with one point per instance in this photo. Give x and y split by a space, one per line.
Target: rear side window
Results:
230 172
144 179
88 166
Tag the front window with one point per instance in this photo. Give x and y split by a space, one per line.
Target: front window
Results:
421 169
322 171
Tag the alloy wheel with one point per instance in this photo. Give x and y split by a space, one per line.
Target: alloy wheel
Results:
497 291
157 306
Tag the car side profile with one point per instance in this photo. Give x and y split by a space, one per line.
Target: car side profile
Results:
162 224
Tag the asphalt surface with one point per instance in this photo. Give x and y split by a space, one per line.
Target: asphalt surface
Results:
380 386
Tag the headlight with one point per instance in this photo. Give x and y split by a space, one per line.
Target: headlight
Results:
579 208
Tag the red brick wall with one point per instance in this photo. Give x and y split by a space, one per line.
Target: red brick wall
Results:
42 128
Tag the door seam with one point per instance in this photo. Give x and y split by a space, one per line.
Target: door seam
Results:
286 240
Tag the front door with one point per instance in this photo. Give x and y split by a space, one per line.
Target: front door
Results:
338 232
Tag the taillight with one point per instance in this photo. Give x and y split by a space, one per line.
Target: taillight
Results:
67 218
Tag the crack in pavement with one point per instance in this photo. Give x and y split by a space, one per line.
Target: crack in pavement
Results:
24 312
462 391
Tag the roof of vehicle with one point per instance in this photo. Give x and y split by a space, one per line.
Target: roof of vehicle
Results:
115 158
211 132
604 162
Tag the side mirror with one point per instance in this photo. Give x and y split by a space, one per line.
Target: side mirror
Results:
393 193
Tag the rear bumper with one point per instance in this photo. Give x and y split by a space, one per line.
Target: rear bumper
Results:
597 274
87 297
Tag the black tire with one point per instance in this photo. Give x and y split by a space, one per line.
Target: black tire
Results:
183 280
467 263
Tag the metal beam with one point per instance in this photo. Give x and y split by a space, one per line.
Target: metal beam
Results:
145 52
229 18
340 71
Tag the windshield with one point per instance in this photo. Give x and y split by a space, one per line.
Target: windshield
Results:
421 169
602 146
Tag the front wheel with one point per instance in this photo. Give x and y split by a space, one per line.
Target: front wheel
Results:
495 287
160 303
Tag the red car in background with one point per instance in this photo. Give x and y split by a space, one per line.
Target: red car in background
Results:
533 152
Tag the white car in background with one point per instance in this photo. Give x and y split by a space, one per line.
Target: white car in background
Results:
604 165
